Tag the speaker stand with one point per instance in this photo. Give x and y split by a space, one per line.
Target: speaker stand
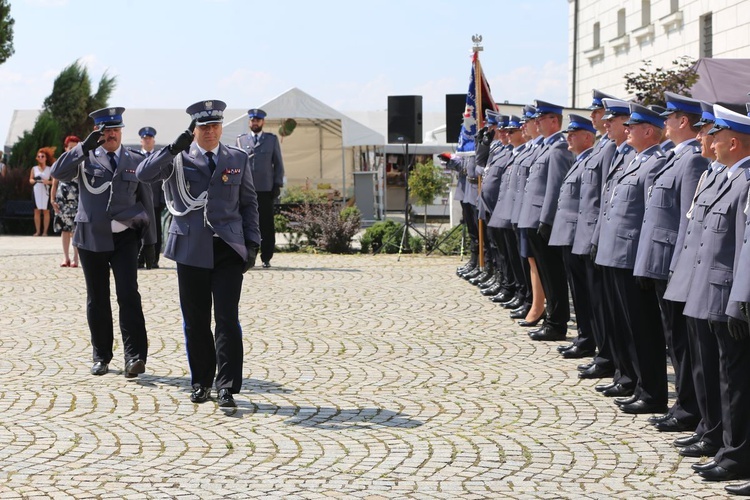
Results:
407 206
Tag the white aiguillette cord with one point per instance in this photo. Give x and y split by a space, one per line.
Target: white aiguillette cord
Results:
183 191
91 189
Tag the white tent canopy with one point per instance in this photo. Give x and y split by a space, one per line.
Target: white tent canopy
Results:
324 148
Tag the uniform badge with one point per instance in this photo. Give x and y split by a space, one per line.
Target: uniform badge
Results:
225 177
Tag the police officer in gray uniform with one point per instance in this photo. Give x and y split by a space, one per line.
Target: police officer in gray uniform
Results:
115 212
588 211
149 256
596 187
702 343
664 225
214 238
537 214
708 295
268 174
581 137
638 330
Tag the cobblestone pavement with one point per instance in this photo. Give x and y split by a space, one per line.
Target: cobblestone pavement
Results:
366 377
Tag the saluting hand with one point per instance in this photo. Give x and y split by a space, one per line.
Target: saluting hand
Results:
183 141
94 140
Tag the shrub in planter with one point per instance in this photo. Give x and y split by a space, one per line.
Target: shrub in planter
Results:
385 236
326 226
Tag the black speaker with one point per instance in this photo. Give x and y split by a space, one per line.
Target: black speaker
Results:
455 105
405 119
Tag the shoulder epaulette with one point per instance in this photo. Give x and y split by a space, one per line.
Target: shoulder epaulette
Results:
242 135
228 146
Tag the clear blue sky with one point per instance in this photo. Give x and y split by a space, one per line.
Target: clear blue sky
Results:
351 55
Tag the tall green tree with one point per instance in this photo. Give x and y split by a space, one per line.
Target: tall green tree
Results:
46 132
71 99
6 31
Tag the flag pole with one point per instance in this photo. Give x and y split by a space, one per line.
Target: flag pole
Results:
477 39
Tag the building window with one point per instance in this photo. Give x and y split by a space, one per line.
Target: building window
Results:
674 6
645 12
707 35
620 23
597 40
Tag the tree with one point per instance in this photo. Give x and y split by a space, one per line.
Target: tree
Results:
650 84
6 31
66 111
46 132
71 100
426 182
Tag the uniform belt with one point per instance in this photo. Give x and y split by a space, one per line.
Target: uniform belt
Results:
473 180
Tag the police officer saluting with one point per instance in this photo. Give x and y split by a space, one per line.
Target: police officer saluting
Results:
214 238
115 212
268 175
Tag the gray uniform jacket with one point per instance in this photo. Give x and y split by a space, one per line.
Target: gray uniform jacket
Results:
543 184
126 200
594 172
684 263
624 154
669 199
721 242
741 288
231 210
491 181
533 150
622 212
267 165
566 216
504 206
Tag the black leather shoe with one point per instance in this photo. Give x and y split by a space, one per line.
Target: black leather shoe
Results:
655 419
742 490
604 387
472 274
618 390
489 283
99 368
719 473
640 407
134 367
225 399
596 371
266 265
577 352
687 440
515 304
704 466
503 298
519 313
200 394
480 278
626 401
468 267
699 449
674 425
529 324
585 366
547 333
562 348
491 291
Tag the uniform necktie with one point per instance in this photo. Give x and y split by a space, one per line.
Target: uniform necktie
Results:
211 163
256 140
112 161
